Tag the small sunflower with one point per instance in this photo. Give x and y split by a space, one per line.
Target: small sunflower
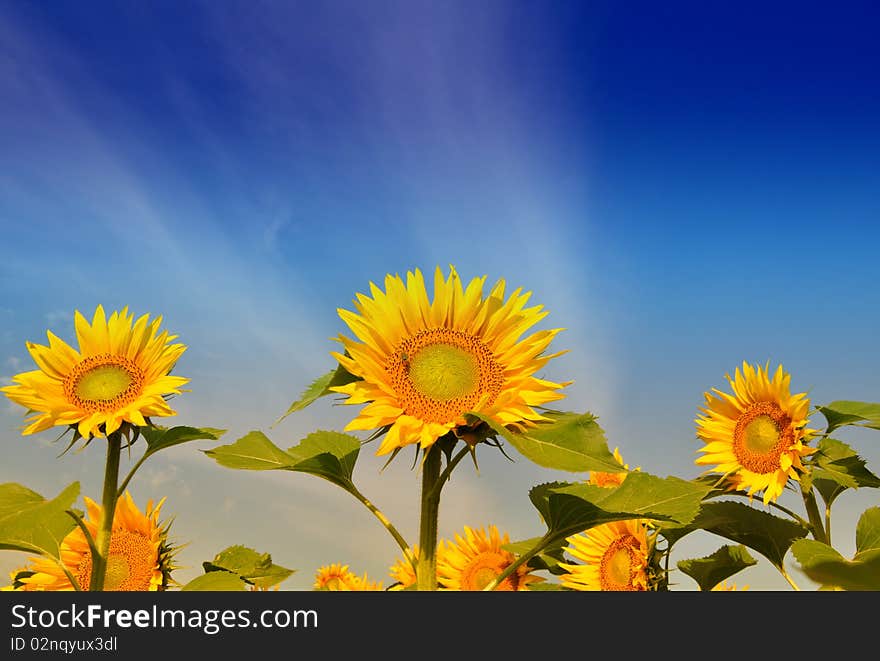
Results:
724 586
336 577
402 571
140 558
421 365
615 558
475 559
602 479
119 374
756 436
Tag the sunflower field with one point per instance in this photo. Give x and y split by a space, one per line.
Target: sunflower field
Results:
444 372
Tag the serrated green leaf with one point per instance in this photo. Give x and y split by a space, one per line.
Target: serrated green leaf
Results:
769 535
578 507
868 533
571 442
35 526
844 412
15 497
540 497
253 451
256 568
343 447
837 467
161 438
319 388
710 570
215 581
826 566
327 454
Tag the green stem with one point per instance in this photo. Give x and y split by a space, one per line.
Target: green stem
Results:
828 524
401 542
815 517
444 476
512 567
788 578
799 519
108 502
130 475
426 570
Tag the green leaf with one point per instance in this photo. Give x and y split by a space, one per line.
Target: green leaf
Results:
160 438
868 533
321 387
547 560
769 535
540 497
710 570
826 566
841 413
216 581
837 467
253 451
253 567
571 442
327 454
544 586
32 525
578 507
312 454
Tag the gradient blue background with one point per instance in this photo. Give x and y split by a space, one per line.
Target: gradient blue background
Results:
683 186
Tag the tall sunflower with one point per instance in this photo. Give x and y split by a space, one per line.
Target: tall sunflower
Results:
614 555
475 559
756 435
421 365
120 373
140 558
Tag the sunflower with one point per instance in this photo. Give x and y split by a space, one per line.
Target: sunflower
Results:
140 557
614 555
756 435
402 571
602 479
474 560
119 374
724 586
336 577
421 365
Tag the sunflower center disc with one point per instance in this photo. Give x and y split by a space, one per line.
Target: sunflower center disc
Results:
617 567
763 432
103 383
483 569
444 372
117 572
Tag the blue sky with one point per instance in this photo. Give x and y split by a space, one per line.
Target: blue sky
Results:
683 187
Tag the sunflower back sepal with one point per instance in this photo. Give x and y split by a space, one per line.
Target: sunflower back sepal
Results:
572 442
710 570
31 523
